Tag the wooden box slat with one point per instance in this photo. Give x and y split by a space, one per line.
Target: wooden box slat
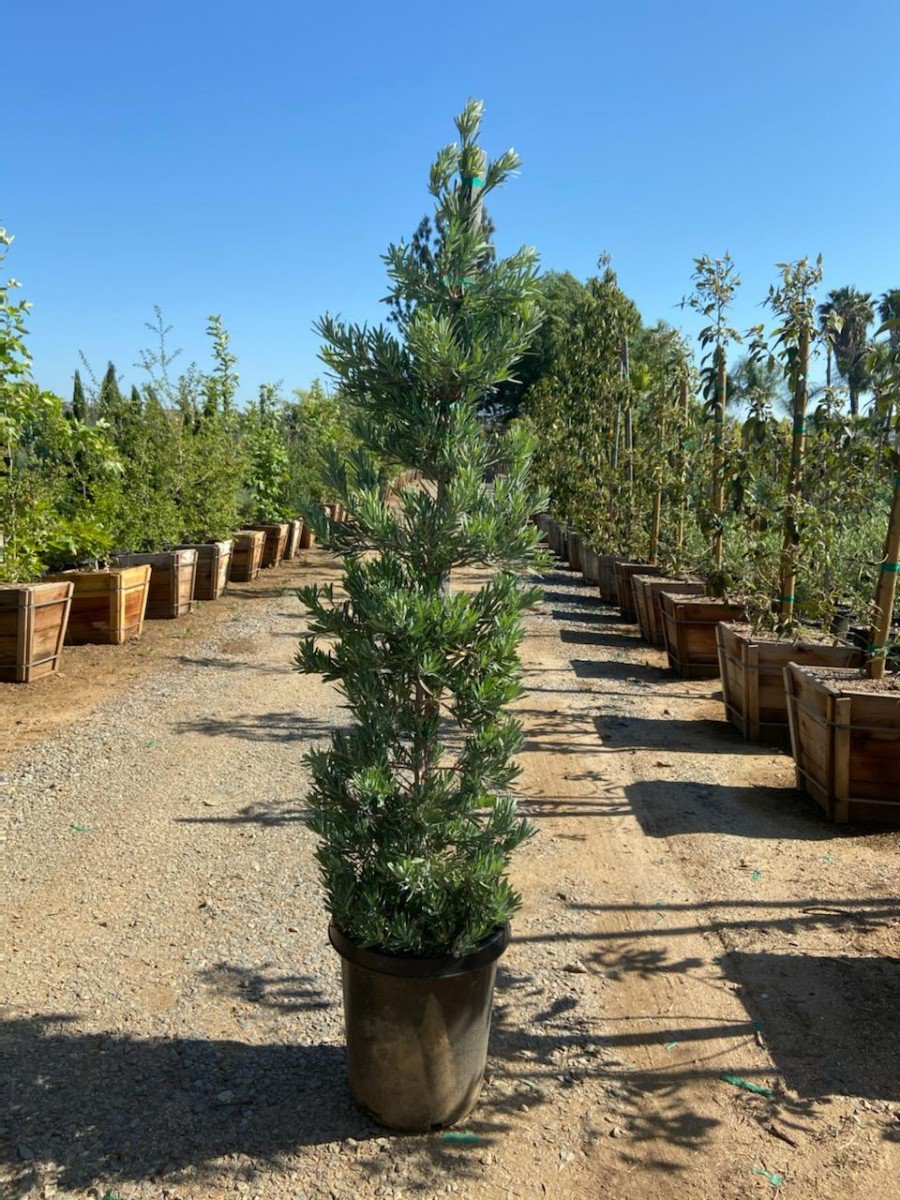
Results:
625 571
213 563
846 745
648 590
172 572
590 565
295 532
276 534
108 606
33 620
606 570
246 555
752 674
689 625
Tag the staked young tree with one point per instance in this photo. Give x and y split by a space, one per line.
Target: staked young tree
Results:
411 803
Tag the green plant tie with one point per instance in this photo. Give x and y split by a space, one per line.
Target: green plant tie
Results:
897 481
786 599
474 180
800 425
890 568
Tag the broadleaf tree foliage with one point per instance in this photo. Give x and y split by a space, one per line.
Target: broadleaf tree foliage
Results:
412 802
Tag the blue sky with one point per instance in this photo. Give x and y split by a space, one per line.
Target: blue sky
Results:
255 160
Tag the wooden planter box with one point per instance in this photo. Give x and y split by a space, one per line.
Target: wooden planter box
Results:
33 620
555 536
543 520
648 590
846 743
108 606
246 555
590 565
172 573
276 535
295 530
689 624
307 537
213 565
606 571
752 673
625 572
574 543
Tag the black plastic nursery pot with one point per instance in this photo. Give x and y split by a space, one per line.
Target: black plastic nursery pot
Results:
417 1031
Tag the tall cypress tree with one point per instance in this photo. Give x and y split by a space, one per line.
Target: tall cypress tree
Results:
79 408
412 802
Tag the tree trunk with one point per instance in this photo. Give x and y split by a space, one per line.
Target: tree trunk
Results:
788 573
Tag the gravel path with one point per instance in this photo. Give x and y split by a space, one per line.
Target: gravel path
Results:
171 1008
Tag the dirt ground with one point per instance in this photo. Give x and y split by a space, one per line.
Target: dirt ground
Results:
171 1009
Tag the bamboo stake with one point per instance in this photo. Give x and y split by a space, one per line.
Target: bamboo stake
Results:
788 573
682 504
886 588
656 518
718 497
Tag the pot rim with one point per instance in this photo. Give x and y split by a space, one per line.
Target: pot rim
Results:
420 968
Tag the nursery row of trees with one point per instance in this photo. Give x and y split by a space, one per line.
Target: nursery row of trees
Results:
736 467
172 459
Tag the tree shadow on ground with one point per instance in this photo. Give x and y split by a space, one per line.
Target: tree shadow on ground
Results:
617 671
267 590
788 917
261 727
270 814
667 808
676 735
597 637
585 599
829 1022
233 664
282 993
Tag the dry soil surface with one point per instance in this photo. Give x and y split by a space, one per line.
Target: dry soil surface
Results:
171 1008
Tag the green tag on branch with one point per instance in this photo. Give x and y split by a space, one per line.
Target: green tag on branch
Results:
897 481
890 568
786 599
800 425
473 180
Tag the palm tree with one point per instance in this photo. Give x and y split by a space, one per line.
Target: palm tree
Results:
758 383
889 310
845 317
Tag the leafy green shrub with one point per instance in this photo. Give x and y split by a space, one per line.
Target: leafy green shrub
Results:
316 426
267 466
58 476
411 802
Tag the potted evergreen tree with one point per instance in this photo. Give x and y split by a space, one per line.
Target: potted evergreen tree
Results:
410 803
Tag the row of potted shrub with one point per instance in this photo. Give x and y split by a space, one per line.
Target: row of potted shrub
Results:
108 605
843 730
